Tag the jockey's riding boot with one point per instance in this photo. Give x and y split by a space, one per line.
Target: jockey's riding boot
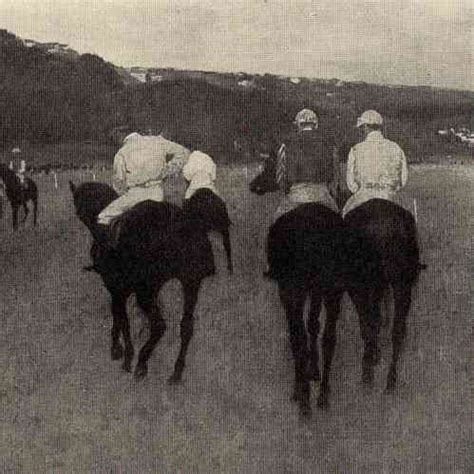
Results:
267 273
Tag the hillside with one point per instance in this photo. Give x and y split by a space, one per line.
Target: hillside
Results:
47 97
218 111
51 94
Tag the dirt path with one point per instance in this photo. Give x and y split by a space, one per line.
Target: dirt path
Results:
66 407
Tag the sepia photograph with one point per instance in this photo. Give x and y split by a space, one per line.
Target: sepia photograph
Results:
236 237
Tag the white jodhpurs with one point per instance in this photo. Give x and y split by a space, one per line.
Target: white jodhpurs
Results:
128 200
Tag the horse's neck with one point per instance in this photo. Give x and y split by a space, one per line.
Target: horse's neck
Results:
9 178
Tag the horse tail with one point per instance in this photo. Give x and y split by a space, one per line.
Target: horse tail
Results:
35 208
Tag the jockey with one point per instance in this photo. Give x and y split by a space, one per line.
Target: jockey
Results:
307 166
377 167
18 165
140 167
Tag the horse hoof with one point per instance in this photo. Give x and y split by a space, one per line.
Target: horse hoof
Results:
140 373
127 366
391 384
116 352
323 401
314 374
174 380
368 376
305 410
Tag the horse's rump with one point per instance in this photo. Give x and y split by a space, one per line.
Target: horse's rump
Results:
157 232
307 242
207 209
389 231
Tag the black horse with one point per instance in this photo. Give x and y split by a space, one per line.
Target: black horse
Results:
19 194
210 211
313 252
156 243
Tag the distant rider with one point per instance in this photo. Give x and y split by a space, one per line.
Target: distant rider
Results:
377 167
18 165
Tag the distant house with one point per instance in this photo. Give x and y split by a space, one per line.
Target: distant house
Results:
246 83
141 76
295 80
29 43
155 78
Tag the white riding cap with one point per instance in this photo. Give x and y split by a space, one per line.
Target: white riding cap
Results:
370 117
306 116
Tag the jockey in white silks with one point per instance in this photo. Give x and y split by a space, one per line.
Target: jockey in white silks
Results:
200 172
377 167
140 167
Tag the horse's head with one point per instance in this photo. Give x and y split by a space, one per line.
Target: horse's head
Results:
90 198
265 182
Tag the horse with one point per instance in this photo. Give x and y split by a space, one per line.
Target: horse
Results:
19 194
313 252
210 211
391 233
156 243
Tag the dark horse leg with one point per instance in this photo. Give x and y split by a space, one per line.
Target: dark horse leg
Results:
313 330
226 241
293 300
332 303
146 301
26 211
191 290
15 216
367 302
402 300
121 326
35 209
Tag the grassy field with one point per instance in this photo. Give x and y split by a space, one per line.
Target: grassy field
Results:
66 407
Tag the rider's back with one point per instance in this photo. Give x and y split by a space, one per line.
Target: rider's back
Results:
309 157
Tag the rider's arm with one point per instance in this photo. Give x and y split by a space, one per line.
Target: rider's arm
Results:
176 157
119 178
350 174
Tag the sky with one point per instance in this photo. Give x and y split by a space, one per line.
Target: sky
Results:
410 42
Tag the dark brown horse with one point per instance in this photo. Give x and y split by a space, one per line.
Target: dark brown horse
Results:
313 252
19 194
156 243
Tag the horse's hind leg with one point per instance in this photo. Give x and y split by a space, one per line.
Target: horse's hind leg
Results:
191 290
15 216
313 329
367 303
146 301
332 303
227 247
35 211
26 212
293 300
121 325
402 300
